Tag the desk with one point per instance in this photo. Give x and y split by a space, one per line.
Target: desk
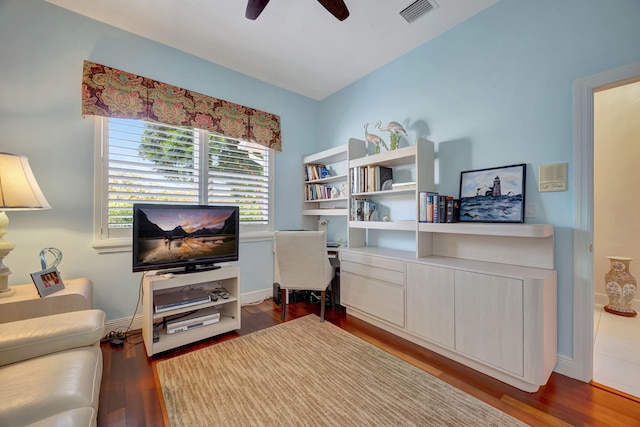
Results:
26 303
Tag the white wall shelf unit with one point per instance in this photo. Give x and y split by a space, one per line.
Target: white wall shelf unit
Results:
412 164
483 294
490 229
337 161
384 225
384 193
153 285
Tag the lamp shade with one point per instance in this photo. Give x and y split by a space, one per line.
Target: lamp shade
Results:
18 187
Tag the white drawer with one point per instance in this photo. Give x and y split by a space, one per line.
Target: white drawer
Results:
377 273
372 260
379 299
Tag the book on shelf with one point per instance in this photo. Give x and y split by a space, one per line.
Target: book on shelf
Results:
367 179
356 209
383 178
430 205
436 208
320 192
442 208
403 185
371 179
370 211
313 172
364 210
453 210
422 206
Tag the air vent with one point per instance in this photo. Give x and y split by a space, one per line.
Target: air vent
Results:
417 9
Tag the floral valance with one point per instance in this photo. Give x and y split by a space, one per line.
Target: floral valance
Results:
110 92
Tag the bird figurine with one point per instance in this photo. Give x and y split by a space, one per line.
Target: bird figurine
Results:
374 139
394 128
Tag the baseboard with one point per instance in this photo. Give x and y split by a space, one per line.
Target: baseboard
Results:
566 366
123 323
600 299
256 296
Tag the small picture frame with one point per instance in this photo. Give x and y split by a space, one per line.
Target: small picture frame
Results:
47 281
493 194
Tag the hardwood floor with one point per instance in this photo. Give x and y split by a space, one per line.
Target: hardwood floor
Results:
130 396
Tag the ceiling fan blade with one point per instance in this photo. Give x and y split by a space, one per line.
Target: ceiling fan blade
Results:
337 8
255 8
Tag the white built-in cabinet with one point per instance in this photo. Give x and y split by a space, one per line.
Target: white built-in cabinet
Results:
373 284
481 294
429 302
497 318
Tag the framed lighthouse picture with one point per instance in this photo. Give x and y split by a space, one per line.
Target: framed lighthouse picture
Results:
493 194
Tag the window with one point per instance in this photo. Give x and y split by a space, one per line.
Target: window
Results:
142 161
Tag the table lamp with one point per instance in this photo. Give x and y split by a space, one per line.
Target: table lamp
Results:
18 191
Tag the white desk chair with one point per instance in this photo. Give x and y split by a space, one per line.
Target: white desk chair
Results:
301 263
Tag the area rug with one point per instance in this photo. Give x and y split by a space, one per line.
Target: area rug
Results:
307 373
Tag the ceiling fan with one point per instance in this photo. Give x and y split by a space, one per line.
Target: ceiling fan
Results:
336 7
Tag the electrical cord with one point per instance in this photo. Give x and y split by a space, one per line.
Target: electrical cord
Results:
119 337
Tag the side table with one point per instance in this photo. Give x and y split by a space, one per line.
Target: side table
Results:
26 303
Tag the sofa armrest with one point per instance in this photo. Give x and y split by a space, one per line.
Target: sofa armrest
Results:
26 303
29 338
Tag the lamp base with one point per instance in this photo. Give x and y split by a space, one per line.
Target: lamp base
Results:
5 247
5 293
5 290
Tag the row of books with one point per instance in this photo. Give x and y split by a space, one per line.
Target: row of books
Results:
365 179
318 191
315 171
364 210
437 208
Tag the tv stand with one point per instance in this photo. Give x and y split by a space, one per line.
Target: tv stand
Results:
197 269
154 323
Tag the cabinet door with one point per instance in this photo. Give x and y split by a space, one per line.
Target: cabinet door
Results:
430 302
489 319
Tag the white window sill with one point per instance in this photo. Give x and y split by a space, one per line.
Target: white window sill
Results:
124 245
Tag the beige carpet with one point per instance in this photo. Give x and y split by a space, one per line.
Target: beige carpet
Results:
307 373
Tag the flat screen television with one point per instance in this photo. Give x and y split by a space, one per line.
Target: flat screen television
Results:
184 238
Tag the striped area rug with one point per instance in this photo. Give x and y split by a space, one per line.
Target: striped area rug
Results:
307 373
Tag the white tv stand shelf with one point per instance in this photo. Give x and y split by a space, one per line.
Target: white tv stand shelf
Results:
225 277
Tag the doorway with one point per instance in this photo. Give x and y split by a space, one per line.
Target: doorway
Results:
616 350
580 365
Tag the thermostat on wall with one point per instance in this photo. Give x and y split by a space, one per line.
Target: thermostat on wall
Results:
552 177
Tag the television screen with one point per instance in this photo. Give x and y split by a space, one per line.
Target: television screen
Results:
192 237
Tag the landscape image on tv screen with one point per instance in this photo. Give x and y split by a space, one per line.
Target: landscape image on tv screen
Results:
168 235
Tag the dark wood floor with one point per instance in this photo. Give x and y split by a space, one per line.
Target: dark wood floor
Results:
130 396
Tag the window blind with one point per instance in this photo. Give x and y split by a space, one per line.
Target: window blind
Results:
158 163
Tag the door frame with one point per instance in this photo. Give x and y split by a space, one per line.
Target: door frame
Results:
583 89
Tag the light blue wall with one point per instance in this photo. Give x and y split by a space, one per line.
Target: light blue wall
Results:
497 90
41 56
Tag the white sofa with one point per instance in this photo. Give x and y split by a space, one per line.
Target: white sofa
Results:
26 303
51 369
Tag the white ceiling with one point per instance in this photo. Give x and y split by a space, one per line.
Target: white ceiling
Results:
294 44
